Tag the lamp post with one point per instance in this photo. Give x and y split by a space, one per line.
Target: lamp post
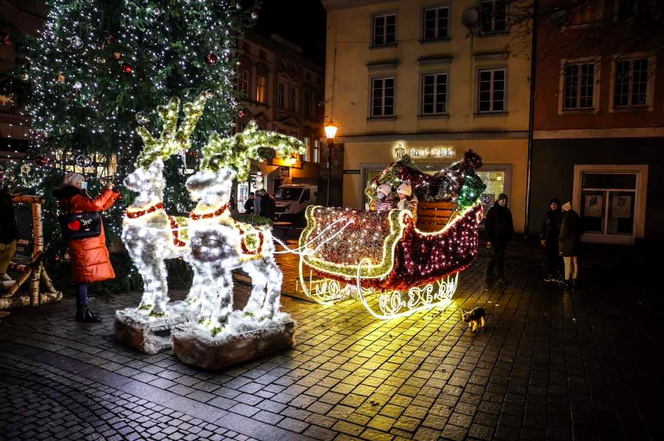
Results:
330 134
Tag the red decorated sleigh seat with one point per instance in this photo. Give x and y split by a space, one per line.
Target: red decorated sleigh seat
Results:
385 249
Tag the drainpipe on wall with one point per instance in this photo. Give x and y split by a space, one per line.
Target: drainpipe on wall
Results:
531 116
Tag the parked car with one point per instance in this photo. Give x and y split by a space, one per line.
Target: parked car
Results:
292 200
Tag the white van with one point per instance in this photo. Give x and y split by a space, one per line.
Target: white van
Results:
292 200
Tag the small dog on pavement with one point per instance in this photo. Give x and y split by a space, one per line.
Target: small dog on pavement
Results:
476 318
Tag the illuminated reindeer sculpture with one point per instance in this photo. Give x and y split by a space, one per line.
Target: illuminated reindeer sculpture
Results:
148 232
219 244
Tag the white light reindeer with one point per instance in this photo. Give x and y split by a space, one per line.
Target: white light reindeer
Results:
220 244
148 232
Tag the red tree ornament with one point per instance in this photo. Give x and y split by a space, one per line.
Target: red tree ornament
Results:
5 39
127 68
211 58
41 160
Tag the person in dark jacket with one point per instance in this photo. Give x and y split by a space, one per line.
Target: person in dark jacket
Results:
549 239
568 243
249 204
8 234
268 205
499 229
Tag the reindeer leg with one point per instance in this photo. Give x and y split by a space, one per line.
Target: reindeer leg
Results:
225 297
259 281
275 278
161 288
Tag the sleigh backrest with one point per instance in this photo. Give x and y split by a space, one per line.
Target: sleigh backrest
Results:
433 216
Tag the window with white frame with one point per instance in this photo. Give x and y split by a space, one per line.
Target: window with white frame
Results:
307 103
244 83
631 83
491 90
292 98
579 86
627 8
493 16
261 85
307 141
382 97
384 29
436 23
315 152
434 94
584 12
282 95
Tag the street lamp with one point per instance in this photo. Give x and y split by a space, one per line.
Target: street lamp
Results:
330 134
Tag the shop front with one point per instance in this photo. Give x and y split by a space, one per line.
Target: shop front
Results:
504 169
610 182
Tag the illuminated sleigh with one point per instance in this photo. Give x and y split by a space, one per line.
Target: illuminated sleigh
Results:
391 265
395 268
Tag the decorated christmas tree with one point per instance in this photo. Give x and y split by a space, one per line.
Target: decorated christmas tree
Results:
99 70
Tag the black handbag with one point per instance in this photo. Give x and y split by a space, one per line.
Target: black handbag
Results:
80 225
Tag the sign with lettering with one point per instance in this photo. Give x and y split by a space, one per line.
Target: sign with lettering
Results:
351 172
437 152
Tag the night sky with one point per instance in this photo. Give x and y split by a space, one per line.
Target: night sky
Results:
301 21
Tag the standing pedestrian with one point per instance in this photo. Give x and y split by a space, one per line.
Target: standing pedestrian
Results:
549 239
8 233
268 205
499 229
257 202
570 232
249 204
90 260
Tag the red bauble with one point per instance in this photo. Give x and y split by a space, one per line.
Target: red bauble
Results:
110 39
242 113
127 68
41 160
5 39
211 58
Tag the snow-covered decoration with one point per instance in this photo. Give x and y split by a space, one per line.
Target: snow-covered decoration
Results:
148 232
219 244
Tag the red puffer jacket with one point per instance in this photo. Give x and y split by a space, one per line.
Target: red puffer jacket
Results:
90 261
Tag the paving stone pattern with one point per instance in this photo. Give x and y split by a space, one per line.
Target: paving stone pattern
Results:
551 365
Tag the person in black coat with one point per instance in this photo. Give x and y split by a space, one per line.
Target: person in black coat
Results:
549 239
499 229
249 204
268 205
568 242
8 232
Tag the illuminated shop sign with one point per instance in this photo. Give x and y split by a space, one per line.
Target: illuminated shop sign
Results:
437 152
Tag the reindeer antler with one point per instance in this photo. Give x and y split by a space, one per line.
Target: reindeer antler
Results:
237 151
173 139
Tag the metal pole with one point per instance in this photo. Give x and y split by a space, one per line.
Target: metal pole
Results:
330 147
531 116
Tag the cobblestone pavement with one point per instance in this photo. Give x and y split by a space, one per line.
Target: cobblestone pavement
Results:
551 365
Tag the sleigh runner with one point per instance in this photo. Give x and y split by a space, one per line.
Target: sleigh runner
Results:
392 265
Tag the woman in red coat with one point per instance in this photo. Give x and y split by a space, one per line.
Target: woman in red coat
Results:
90 261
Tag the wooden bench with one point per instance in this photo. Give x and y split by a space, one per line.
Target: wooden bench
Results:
433 216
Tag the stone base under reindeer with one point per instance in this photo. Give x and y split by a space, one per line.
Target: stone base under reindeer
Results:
146 333
242 340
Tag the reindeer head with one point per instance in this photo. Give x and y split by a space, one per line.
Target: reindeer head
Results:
211 188
149 183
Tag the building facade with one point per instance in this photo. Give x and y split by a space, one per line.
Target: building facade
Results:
410 77
282 91
599 126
